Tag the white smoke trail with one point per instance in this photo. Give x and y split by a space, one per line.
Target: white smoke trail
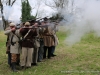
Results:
7 11
85 18
12 13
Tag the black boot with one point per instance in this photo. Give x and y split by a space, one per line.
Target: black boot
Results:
52 55
23 67
34 64
14 67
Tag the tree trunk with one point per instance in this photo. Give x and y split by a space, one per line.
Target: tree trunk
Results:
5 23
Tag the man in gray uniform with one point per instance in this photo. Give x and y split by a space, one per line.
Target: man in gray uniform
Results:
54 28
41 48
36 45
15 48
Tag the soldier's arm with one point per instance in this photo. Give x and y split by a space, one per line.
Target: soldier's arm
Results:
6 32
21 30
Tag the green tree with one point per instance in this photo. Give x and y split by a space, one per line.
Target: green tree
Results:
26 11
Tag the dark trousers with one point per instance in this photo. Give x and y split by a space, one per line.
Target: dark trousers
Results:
45 51
9 58
40 52
52 50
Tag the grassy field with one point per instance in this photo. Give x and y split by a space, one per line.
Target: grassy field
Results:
83 58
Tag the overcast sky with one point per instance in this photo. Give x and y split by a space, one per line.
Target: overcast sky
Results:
46 11
15 11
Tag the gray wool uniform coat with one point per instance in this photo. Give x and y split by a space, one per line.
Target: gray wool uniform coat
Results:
16 49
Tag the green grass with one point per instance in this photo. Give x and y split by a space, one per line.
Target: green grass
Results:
83 58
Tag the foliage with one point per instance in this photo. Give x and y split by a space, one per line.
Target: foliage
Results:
56 17
26 11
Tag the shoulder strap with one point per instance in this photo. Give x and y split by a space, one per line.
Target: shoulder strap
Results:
7 37
23 37
17 36
27 34
12 39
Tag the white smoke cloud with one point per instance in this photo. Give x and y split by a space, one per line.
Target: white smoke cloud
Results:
84 18
12 13
7 11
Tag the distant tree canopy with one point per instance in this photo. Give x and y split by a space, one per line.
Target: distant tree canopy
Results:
56 17
26 11
57 5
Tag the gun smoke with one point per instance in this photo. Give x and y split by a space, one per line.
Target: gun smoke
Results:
12 13
84 18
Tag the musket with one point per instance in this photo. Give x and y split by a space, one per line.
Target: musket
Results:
33 27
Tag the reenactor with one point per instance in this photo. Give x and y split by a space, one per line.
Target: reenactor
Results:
27 44
54 30
15 49
8 47
36 45
48 40
41 48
